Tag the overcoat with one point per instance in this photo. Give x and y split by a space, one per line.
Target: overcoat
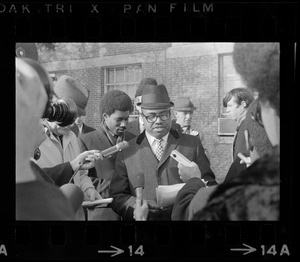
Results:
139 158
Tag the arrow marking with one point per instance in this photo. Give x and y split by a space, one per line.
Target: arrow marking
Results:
249 249
115 252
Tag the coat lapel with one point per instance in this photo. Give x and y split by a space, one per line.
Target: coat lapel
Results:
170 146
105 143
146 155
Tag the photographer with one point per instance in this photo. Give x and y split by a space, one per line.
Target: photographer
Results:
61 145
35 198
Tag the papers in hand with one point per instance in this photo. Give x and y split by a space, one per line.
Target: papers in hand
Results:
103 201
166 195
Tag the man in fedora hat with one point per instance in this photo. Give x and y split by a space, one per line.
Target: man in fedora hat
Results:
61 144
81 98
115 107
149 154
183 112
136 126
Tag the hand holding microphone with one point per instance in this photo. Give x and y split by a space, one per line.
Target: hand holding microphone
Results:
86 160
141 207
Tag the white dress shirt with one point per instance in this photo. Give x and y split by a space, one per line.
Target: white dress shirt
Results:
154 143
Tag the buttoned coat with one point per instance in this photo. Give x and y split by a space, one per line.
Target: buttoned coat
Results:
139 158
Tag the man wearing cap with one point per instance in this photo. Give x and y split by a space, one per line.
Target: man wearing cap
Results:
79 127
115 107
137 126
183 111
61 144
149 154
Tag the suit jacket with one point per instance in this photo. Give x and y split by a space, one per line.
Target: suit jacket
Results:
85 129
104 169
134 127
239 143
139 158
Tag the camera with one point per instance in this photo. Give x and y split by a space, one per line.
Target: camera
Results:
62 111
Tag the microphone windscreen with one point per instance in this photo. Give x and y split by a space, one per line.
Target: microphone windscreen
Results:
122 145
74 194
140 180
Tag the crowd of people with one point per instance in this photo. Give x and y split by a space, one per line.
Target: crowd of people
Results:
60 166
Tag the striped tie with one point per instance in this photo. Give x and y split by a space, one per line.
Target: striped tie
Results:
159 149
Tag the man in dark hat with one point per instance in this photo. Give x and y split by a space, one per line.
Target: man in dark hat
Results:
149 154
80 94
115 107
136 126
183 111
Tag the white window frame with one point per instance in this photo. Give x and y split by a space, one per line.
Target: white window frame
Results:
106 85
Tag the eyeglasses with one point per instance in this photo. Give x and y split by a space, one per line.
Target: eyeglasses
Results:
153 118
256 116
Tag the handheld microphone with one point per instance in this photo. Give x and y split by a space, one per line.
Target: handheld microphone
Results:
114 149
139 186
74 194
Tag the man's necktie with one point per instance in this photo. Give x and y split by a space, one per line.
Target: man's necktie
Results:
159 149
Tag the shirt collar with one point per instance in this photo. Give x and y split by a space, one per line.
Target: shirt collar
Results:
151 139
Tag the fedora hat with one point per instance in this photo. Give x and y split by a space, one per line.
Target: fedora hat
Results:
69 87
155 97
184 104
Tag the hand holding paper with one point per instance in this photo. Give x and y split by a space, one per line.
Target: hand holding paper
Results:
97 202
166 195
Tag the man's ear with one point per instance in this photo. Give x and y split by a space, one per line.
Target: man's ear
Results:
243 104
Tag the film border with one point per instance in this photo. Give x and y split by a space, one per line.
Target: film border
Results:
176 240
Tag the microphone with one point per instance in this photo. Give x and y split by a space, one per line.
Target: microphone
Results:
114 149
74 194
139 187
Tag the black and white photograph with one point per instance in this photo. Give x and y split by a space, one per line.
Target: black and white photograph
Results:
149 131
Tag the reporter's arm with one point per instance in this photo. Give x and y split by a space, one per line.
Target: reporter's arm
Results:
60 174
184 198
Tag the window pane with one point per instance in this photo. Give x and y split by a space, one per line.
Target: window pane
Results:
110 75
111 87
120 75
138 74
129 74
231 78
130 90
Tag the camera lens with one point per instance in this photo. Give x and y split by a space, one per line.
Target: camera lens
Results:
63 111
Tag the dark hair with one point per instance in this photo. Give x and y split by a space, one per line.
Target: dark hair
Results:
115 100
144 82
258 65
240 94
